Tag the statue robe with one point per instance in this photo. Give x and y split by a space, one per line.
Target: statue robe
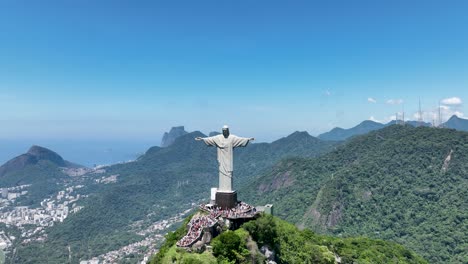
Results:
225 157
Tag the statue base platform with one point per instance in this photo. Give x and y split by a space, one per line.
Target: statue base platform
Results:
226 200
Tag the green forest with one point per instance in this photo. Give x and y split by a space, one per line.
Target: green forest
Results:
160 184
396 184
290 245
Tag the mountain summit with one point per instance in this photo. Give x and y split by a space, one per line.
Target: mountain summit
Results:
457 123
174 133
32 157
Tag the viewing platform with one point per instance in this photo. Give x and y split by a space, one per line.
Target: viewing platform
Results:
208 225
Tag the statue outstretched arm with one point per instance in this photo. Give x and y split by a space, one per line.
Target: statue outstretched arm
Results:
210 141
240 141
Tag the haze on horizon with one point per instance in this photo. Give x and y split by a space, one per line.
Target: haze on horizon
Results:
121 71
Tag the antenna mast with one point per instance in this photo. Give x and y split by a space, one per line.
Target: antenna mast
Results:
420 119
403 121
440 116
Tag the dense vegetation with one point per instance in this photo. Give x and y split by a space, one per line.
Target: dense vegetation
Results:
390 184
394 184
39 167
44 176
171 240
160 184
289 244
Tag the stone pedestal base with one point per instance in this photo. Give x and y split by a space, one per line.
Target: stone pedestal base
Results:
226 200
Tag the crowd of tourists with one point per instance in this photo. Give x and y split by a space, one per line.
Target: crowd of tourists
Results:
198 223
196 226
241 210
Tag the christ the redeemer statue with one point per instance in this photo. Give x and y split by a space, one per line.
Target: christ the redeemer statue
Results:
225 144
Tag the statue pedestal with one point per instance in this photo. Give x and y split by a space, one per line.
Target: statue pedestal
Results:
226 200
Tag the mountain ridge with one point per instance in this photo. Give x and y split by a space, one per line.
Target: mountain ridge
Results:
175 176
400 183
367 126
338 133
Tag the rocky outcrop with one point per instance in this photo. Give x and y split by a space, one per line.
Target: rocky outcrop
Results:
269 254
174 133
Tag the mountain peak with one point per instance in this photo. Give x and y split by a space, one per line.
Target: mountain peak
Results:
457 123
370 123
32 157
41 153
299 134
174 133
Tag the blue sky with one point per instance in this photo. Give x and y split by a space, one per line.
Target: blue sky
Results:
122 70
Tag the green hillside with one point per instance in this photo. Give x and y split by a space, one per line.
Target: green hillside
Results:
161 183
395 184
39 167
289 244
45 177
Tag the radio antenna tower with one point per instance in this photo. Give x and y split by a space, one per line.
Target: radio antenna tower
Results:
440 119
420 119
403 121
440 116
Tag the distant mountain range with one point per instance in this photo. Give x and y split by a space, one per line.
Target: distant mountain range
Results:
339 133
388 184
366 126
162 182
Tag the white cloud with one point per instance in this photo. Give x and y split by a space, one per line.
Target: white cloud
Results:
327 93
452 101
432 115
371 100
394 101
446 112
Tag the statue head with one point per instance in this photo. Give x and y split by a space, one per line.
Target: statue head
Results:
225 131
